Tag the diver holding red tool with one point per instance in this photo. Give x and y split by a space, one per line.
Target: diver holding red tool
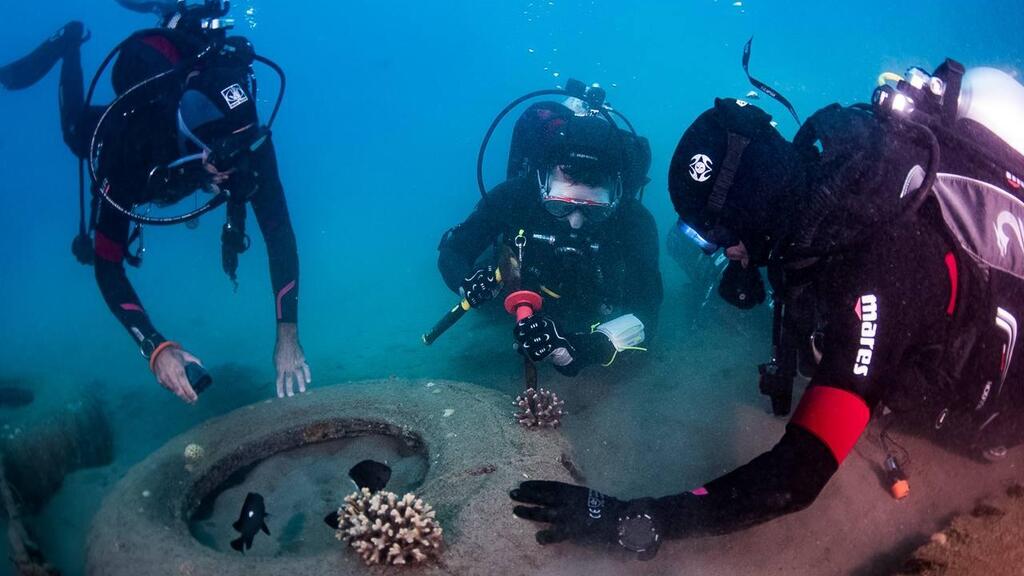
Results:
568 225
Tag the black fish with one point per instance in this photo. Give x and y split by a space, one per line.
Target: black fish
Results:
333 520
370 474
251 520
367 474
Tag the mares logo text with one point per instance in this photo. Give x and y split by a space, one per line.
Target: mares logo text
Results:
867 311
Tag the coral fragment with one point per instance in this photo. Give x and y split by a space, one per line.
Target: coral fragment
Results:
539 408
384 528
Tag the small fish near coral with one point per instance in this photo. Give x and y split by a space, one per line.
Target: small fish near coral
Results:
251 520
369 474
382 527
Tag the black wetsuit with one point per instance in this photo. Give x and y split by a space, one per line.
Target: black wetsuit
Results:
271 211
891 309
151 139
607 270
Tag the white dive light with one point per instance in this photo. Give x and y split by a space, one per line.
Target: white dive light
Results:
902 103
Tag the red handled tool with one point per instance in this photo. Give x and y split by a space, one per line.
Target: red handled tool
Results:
522 305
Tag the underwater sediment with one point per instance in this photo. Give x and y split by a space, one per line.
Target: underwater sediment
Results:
989 541
474 449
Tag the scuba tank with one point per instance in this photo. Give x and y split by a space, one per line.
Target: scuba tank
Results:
535 130
995 100
196 37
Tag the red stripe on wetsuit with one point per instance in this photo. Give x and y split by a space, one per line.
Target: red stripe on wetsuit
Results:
164 46
836 417
107 249
954 282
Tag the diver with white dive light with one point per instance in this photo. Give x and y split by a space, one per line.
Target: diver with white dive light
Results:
902 220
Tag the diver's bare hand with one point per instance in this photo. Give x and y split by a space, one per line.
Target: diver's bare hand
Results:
169 368
290 361
218 177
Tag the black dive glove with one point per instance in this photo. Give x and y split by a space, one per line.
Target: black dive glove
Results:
539 339
481 286
584 515
741 287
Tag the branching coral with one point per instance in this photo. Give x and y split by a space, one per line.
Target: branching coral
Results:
384 528
539 408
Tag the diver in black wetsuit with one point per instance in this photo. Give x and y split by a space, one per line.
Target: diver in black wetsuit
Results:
568 225
903 225
186 120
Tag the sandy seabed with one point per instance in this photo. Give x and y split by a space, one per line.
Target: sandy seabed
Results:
989 540
666 421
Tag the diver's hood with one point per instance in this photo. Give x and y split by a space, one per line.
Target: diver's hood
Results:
161 7
762 191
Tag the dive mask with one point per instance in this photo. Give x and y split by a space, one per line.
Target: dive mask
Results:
712 240
560 201
560 207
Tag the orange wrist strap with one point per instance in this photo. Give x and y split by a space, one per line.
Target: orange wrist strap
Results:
156 352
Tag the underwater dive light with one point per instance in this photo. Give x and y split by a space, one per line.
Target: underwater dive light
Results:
198 377
899 486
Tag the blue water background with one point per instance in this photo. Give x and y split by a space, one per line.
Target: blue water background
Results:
377 141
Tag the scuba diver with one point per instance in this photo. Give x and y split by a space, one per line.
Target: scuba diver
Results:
904 222
567 224
183 123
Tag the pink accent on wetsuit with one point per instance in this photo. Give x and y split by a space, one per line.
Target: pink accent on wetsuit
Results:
132 307
954 282
107 249
702 491
164 47
287 288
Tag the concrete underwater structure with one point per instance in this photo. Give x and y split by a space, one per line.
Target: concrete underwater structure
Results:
474 450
